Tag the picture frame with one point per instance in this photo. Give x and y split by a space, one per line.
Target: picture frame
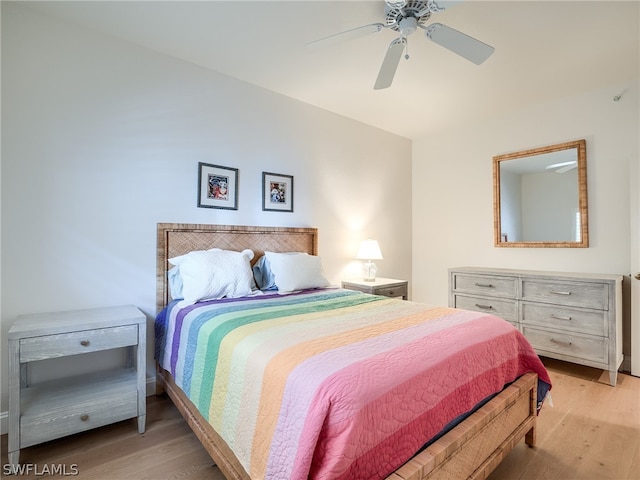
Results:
277 192
217 186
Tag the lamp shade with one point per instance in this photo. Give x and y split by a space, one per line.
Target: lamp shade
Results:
369 250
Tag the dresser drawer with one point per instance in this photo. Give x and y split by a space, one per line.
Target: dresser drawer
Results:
485 285
594 349
505 309
576 294
51 346
584 321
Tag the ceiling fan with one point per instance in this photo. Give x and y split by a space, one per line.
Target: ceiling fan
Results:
405 17
562 167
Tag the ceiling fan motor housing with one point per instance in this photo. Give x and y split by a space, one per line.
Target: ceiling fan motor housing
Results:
405 19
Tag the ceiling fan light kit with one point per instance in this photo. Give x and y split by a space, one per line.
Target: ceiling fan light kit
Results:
405 17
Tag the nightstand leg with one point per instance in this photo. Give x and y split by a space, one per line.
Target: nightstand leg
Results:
142 378
142 420
14 403
14 458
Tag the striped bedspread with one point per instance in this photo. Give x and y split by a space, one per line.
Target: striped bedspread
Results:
335 384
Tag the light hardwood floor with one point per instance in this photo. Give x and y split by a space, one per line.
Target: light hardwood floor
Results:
591 432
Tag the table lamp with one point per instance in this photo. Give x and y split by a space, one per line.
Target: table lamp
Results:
369 250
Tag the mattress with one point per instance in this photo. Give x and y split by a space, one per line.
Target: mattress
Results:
332 383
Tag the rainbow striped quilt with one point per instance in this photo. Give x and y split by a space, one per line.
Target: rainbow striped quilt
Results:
335 384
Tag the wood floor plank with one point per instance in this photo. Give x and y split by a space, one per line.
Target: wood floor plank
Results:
592 432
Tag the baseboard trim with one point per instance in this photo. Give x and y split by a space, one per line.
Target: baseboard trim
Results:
626 364
4 416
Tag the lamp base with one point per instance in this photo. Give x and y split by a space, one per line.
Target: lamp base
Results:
369 270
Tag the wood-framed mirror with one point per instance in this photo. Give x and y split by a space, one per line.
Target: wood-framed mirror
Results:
540 197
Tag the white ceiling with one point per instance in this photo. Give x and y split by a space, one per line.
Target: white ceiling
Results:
544 50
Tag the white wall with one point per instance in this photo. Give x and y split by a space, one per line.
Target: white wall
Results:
453 189
101 140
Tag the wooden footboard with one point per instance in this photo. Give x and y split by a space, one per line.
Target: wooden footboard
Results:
470 450
476 446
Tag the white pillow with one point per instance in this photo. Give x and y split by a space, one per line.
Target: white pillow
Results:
213 274
175 282
296 272
263 274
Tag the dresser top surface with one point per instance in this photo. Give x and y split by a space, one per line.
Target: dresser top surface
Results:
539 273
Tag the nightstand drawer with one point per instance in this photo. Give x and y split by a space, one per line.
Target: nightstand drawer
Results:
57 409
397 291
387 287
52 346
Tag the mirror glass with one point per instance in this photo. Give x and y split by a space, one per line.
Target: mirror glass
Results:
540 197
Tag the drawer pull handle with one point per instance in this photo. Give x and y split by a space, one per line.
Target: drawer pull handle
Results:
484 307
553 340
84 343
560 317
390 293
484 285
560 292
84 417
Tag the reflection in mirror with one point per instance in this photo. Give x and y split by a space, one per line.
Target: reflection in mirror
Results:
540 197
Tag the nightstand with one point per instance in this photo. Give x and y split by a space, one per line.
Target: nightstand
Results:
48 410
389 287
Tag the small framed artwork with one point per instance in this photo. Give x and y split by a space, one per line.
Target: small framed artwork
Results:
277 192
217 186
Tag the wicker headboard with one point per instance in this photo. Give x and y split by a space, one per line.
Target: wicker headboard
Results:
179 238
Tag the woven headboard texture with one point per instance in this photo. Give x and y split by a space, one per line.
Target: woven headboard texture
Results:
179 238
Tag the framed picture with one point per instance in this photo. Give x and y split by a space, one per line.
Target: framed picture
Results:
277 192
217 186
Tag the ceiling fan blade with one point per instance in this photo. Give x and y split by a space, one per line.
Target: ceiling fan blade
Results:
390 63
562 167
566 169
351 34
438 6
460 43
446 4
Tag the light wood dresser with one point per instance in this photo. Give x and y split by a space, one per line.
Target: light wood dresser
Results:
576 317
44 411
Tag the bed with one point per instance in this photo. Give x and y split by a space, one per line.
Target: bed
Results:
462 448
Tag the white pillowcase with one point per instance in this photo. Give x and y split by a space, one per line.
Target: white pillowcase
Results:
175 282
213 274
265 279
296 272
